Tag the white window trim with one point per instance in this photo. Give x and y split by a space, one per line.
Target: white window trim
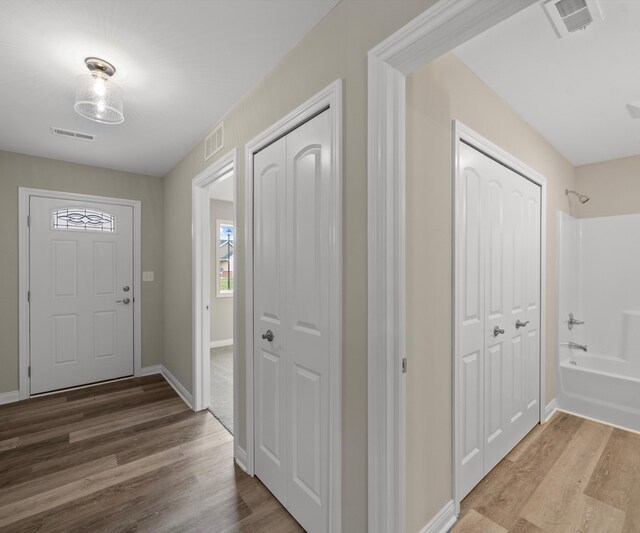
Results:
219 292
24 196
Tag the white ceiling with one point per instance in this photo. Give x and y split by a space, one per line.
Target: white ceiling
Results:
181 65
572 90
222 190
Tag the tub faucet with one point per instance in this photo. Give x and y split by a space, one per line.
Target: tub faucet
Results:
577 346
573 322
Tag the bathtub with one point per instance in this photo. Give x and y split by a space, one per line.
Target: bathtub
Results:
601 387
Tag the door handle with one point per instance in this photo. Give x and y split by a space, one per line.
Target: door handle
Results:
125 301
268 335
521 324
497 331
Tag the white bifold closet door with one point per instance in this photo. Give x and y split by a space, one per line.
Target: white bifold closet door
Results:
81 286
499 352
291 319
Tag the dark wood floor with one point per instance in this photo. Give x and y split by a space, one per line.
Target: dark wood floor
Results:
569 475
125 456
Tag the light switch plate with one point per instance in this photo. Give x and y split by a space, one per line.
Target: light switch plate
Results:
147 276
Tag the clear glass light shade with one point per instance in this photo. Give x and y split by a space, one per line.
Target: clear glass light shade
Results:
98 98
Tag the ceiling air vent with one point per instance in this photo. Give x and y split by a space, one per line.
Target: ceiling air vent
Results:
214 142
568 16
73 134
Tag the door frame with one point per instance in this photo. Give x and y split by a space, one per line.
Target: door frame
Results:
223 168
329 98
24 197
442 27
462 133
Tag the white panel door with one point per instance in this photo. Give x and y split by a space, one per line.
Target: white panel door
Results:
81 290
292 236
269 299
499 295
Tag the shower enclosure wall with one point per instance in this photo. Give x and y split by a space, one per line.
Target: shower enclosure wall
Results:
599 282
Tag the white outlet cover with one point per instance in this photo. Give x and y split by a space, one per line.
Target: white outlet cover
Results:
147 276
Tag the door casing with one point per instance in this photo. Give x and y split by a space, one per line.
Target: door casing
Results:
24 195
463 133
329 98
223 168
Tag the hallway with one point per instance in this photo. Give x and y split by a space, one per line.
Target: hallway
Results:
126 455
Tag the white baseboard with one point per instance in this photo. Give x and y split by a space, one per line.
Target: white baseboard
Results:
9 397
149 370
178 387
241 458
443 521
219 344
550 410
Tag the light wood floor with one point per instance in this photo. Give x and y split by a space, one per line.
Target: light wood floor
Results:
125 456
570 475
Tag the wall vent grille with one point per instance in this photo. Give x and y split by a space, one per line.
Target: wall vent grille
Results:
569 16
73 134
214 142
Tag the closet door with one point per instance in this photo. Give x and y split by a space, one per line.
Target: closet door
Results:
292 233
270 281
498 295
308 241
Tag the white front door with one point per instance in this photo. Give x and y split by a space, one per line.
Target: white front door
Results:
81 292
499 355
292 238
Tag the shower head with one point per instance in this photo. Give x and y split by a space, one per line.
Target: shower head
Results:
583 198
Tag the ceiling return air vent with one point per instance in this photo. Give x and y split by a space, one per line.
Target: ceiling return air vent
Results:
568 16
214 142
73 134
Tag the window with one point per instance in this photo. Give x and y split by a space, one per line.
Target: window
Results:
224 241
79 218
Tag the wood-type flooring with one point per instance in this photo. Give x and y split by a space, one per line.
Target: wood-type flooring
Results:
568 475
125 456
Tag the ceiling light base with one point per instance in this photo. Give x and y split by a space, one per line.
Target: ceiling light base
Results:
95 64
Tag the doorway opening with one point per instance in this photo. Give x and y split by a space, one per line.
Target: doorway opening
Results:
222 261
213 274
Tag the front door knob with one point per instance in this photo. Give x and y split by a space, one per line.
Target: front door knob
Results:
268 335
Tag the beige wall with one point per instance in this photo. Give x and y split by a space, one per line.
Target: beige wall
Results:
18 170
221 314
335 48
436 94
614 187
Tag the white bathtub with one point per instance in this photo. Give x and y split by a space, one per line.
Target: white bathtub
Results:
600 387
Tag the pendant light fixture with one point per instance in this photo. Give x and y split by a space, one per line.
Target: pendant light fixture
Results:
97 96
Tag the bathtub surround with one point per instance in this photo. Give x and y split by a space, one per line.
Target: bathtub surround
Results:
599 265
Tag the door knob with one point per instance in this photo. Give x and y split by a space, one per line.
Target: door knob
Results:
268 335
521 324
497 331
125 301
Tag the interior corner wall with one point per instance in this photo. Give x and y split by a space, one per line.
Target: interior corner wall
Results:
438 93
18 170
336 48
613 186
221 314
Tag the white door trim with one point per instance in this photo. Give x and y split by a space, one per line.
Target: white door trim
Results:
464 133
24 195
438 30
223 168
328 98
